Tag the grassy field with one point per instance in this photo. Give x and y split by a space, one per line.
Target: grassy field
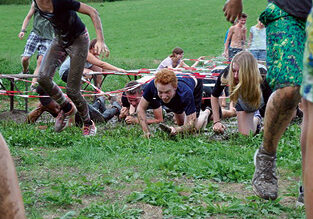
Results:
119 174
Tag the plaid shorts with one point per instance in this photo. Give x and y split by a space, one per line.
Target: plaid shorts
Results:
35 42
307 82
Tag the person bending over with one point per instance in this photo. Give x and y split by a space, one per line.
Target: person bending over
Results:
130 101
244 80
181 94
175 60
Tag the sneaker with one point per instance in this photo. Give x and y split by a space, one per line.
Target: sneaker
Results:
264 180
35 114
62 120
165 128
89 130
300 201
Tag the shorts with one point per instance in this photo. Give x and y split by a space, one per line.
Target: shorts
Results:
259 54
232 52
307 83
243 106
285 37
35 42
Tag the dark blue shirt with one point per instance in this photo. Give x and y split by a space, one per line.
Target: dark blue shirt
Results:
183 101
67 25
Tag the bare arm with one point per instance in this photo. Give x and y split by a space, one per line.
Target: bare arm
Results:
229 36
197 62
158 116
232 9
218 127
182 64
188 126
250 39
26 21
142 108
100 46
92 59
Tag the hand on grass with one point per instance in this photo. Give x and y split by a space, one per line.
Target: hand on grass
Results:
131 120
219 128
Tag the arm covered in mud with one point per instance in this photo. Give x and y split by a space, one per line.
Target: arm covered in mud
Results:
188 126
142 108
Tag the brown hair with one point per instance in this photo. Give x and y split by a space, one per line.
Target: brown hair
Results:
133 91
166 76
92 43
243 15
176 50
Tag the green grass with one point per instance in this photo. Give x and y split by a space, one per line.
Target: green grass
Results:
119 174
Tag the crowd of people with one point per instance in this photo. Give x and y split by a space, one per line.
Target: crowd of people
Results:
262 79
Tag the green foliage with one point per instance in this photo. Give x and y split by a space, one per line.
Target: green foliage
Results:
101 210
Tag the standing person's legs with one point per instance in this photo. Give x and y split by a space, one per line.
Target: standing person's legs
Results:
30 48
51 61
285 76
11 202
78 52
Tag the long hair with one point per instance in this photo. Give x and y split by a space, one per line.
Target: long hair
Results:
248 88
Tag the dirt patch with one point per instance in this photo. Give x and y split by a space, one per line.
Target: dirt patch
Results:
17 116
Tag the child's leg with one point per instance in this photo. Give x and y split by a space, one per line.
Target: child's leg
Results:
202 120
246 122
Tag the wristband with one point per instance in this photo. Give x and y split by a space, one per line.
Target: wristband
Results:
216 122
23 30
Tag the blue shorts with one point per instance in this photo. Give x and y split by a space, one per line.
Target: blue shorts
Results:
259 54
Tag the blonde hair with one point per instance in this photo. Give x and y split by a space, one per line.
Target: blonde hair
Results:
248 88
166 76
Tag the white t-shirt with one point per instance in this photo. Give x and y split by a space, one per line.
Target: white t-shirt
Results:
258 39
166 63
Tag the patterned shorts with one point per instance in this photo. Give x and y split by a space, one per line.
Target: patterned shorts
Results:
34 42
307 83
285 37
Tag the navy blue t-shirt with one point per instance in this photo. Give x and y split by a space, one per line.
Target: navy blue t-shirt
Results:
66 23
183 101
